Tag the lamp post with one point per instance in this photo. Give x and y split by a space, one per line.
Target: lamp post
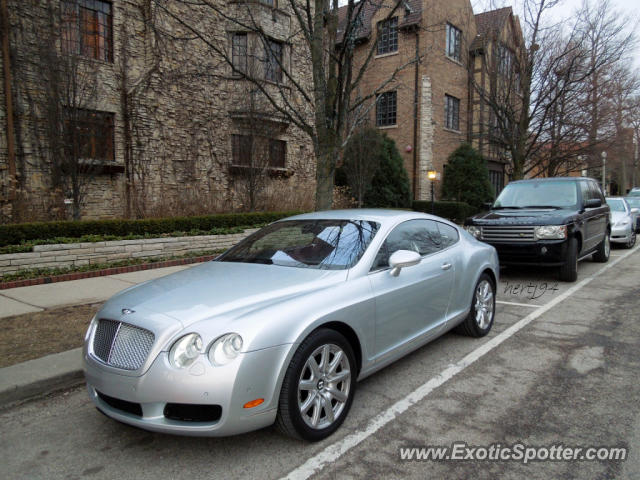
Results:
432 175
604 170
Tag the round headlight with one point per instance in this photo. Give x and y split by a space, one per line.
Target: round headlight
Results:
225 349
185 351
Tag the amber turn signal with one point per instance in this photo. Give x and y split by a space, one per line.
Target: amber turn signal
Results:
253 403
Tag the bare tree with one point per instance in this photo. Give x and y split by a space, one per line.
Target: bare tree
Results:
318 42
70 123
548 102
361 160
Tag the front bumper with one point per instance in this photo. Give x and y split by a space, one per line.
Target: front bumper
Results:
621 234
142 401
541 252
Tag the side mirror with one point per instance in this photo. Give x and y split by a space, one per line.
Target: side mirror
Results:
635 210
593 203
401 259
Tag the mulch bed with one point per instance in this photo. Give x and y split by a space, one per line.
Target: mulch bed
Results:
34 335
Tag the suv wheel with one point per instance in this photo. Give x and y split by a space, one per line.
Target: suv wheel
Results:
603 250
569 270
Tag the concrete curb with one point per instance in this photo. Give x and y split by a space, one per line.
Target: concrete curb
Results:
40 376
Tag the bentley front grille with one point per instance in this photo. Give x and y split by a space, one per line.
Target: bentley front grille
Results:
507 233
121 345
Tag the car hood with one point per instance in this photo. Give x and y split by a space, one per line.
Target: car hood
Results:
617 216
527 216
218 288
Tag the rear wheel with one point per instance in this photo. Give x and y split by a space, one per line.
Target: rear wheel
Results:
603 250
318 387
569 270
483 306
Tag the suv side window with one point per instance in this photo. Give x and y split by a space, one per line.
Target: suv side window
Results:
422 236
596 192
586 191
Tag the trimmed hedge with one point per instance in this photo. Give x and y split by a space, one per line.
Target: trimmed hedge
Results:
14 234
454 211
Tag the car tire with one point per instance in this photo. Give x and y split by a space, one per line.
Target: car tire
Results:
318 387
632 240
603 250
483 309
569 269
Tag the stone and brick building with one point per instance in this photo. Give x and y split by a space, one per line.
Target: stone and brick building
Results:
432 106
155 122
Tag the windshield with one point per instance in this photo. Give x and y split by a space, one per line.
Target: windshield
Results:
321 244
557 194
616 204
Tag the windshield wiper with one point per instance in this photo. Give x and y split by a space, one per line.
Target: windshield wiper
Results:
501 207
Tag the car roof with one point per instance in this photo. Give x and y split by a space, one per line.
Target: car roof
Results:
372 214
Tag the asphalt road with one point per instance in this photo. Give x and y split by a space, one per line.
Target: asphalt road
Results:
560 367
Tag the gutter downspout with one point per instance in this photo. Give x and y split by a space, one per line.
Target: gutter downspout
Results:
415 117
6 65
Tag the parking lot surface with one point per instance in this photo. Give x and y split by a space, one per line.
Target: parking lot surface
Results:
559 367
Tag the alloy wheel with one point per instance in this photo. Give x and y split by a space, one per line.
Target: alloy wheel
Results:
324 385
484 304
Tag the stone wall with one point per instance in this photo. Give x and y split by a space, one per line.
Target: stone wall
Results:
173 104
88 253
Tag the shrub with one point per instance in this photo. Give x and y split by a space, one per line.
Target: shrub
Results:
454 211
390 184
466 178
14 234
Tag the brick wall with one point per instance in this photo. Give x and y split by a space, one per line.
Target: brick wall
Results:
87 253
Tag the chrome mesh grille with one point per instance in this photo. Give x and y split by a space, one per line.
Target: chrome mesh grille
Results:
507 233
122 345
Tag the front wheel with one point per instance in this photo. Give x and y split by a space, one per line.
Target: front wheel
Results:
483 307
318 387
569 270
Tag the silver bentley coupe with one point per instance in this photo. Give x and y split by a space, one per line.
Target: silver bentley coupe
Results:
279 328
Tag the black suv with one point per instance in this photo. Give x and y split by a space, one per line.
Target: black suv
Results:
547 222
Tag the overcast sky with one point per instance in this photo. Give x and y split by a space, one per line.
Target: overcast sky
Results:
565 10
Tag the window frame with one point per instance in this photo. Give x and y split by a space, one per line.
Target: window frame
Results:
275 146
390 100
375 269
239 60
450 116
387 39
456 54
273 62
100 125
76 39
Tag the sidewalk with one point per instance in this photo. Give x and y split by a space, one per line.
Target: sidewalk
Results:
61 370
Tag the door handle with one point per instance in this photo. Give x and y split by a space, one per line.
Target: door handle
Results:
445 266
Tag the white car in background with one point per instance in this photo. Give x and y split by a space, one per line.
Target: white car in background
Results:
623 221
